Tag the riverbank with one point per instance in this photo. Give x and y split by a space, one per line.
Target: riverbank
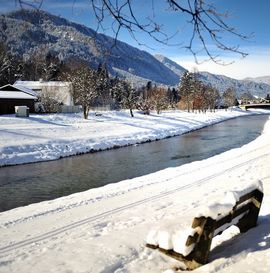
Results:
50 137
104 229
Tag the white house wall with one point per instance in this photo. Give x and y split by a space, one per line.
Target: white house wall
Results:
61 91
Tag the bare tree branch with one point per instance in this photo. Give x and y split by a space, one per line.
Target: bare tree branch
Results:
209 26
30 3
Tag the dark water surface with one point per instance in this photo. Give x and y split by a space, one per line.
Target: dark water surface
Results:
25 184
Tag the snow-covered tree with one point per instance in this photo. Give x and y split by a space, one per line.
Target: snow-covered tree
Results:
246 97
173 96
199 98
153 97
49 102
205 97
125 95
187 89
86 85
144 104
10 66
158 97
51 67
41 64
229 98
213 97
104 84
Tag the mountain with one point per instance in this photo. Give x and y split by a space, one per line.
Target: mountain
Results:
241 86
258 86
263 79
26 31
175 67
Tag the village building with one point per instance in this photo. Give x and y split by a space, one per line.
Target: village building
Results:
60 91
11 96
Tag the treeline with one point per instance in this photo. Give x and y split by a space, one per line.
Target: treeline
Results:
94 87
40 64
197 96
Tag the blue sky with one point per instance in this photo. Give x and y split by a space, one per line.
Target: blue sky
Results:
247 16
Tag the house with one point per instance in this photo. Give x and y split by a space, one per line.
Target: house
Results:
11 96
60 91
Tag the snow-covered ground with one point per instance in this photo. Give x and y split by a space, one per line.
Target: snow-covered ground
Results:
104 229
49 137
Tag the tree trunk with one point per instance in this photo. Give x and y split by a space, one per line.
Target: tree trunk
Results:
131 112
85 112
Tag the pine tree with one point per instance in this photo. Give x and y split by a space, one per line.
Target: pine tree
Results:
10 66
126 96
187 88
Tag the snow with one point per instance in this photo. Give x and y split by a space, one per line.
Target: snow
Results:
50 137
38 84
26 90
15 95
220 208
10 87
104 229
169 236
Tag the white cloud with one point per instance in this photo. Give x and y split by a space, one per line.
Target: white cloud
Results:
254 65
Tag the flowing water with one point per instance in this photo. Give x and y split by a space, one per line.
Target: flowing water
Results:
25 184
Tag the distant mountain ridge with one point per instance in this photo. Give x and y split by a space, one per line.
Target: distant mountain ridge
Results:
258 86
241 86
263 79
175 67
25 31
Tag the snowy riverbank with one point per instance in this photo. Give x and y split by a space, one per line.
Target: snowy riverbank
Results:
104 229
50 137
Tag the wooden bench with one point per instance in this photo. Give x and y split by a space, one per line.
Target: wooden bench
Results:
244 215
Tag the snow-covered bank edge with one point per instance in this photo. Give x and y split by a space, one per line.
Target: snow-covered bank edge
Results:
120 188
51 145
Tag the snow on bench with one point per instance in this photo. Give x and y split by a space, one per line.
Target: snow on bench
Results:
192 245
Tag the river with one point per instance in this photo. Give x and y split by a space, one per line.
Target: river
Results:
25 184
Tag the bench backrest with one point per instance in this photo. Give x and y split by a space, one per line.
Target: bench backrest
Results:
244 215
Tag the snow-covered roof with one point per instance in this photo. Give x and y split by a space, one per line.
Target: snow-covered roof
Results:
15 87
9 87
37 84
15 95
26 90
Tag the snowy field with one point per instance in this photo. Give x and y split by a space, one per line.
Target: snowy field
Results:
49 137
104 229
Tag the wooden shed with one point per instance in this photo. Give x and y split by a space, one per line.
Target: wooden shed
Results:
11 96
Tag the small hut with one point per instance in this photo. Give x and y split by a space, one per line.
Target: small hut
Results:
11 96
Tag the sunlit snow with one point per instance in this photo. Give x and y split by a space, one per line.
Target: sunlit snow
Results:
105 229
